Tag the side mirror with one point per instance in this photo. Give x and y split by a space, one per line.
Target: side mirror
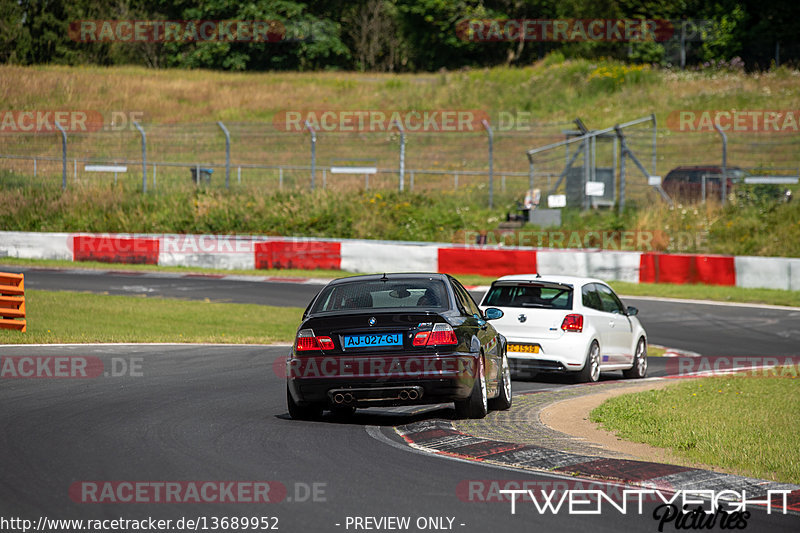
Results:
632 311
493 313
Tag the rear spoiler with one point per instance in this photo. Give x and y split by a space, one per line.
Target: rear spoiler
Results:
533 283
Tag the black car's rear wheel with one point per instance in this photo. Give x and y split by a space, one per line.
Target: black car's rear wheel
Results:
503 400
301 412
477 405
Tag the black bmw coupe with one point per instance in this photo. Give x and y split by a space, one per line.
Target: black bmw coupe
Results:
396 339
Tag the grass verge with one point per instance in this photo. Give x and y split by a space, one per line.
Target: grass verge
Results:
745 423
69 317
709 292
662 290
96 265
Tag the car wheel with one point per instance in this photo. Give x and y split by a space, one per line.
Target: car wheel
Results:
503 400
591 369
477 405
301 412
639 368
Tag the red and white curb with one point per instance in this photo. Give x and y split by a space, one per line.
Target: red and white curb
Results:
439 437
249 252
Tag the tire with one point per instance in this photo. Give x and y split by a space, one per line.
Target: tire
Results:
503 400
301 412
591 369
639 368
477 405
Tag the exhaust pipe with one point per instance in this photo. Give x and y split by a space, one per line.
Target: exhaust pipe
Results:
348 397
413 394
338 398
403 395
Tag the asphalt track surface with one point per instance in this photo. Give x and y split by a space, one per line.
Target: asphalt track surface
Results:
195 413
703 328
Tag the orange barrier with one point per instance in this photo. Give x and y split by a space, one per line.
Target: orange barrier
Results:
12 301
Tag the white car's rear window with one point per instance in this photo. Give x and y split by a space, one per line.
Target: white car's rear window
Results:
528 295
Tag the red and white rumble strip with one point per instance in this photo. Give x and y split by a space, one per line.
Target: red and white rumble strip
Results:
247 252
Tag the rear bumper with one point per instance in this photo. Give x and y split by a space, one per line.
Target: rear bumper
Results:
382 380
565 354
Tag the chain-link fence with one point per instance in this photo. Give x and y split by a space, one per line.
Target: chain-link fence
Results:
265 157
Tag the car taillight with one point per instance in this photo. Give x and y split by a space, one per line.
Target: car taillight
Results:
441 335
307 341
572 323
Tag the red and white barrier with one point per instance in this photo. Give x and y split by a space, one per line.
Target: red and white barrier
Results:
263 252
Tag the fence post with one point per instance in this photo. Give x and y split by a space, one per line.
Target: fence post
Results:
144 156
724 162
63 156
313 152
622 154
227 154
530 175
154 176
491 162
655 138
402 154
586 170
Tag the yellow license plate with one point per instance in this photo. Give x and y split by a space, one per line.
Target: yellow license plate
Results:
523 348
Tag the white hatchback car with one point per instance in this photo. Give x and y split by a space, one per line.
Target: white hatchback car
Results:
567 324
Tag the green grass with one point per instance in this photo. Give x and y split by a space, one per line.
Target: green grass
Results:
709 292
663 290
68 317
653 351
96 265
745 423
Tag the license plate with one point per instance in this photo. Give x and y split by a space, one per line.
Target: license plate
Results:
523 348
375 339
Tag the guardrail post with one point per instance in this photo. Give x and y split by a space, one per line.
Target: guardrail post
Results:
63 156
724 162
313 152
402 154
227 154
144 156
491 161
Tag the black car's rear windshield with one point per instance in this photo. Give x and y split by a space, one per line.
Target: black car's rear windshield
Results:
416 293
529 296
